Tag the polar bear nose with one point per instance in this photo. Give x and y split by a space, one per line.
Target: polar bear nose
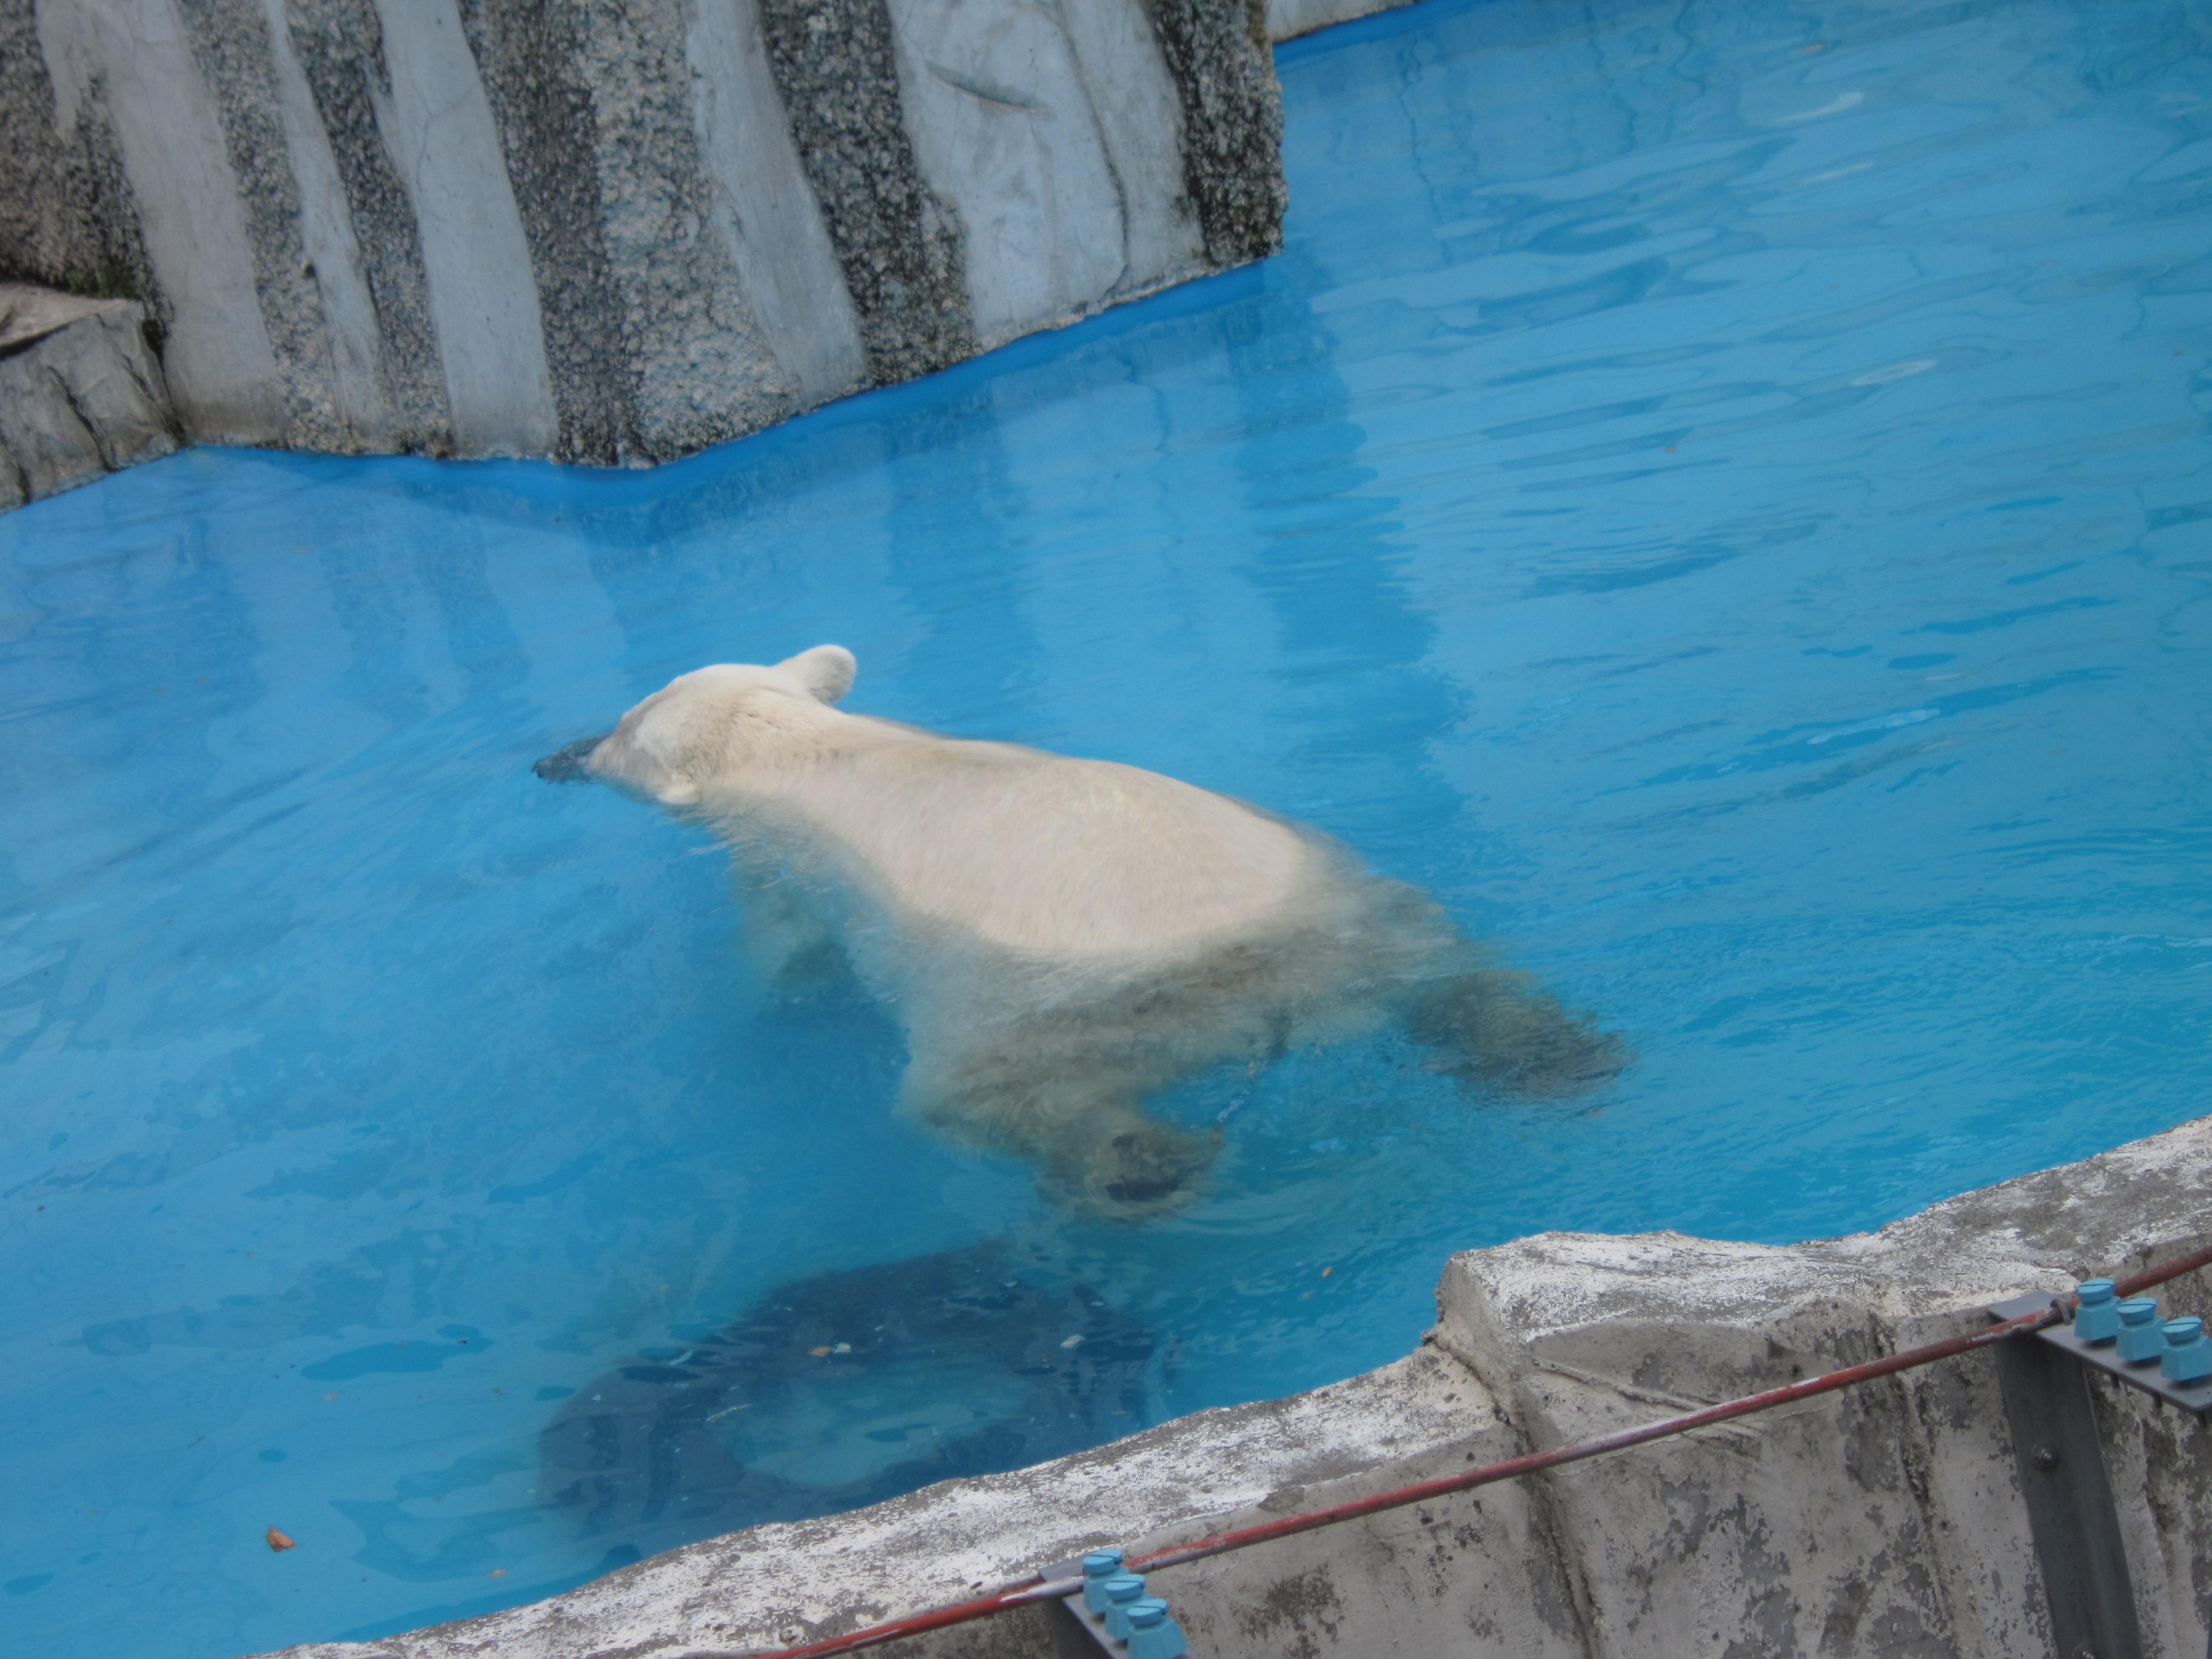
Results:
566 765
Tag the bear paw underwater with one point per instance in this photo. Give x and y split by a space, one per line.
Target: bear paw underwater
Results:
1061 938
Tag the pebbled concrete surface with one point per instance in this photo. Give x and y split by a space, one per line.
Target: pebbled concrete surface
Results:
1882 1521
339 46
1232 118
526 51
763 206
615 231
129 65
67 213
900 245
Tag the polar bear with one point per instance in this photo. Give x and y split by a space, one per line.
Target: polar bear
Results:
1060 937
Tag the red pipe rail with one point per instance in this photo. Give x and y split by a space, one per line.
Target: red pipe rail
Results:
983 1606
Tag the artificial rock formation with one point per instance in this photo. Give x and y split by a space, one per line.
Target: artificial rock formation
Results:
79 393
615 231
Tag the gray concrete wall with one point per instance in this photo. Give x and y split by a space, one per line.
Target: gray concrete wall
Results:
621 231
1884 1519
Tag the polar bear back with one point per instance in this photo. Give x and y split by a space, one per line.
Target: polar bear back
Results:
1043 853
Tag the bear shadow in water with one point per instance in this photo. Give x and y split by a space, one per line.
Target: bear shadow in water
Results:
803 1407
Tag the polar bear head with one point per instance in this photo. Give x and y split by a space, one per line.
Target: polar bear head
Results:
708 724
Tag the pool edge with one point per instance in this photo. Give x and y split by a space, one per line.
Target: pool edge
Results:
1894 1507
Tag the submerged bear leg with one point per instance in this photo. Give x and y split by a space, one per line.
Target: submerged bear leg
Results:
1097 1151
1499 1027
791 950
1127 1164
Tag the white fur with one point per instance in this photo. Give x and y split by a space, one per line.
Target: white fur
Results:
1058 937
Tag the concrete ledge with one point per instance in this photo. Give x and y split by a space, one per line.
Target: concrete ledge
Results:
791 1581
1882 1519
80 394
1287 19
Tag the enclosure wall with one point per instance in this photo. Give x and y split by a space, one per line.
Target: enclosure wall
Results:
1886 1519
615 230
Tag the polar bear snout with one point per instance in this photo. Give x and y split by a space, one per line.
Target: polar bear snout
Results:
566 763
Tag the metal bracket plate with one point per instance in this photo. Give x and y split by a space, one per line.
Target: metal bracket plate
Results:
2069 1501
2190 1396
1077 1632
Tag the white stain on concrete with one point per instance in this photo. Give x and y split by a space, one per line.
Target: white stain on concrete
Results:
1133 99
437 124
221 370
763 207
1002 127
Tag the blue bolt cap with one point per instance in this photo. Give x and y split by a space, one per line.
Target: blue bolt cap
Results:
2098 1318
1152 1634
2188 1355
1098 1567
1122 1594
2140 1340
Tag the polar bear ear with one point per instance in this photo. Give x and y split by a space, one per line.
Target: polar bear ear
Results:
827 671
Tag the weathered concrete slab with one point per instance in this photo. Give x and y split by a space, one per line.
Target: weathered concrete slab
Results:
80 394
1881 1521
779 1583
616 233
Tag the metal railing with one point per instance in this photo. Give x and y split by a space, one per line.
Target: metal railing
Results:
2092 1615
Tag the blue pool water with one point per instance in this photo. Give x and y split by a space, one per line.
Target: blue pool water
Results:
1718 493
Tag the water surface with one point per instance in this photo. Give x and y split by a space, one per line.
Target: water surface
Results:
1716 492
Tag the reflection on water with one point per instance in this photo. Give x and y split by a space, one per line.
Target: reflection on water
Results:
1717 495
846 1389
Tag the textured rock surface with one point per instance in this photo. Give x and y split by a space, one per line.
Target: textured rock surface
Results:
80 394
898 246
615 230
1232 118
1884 1519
